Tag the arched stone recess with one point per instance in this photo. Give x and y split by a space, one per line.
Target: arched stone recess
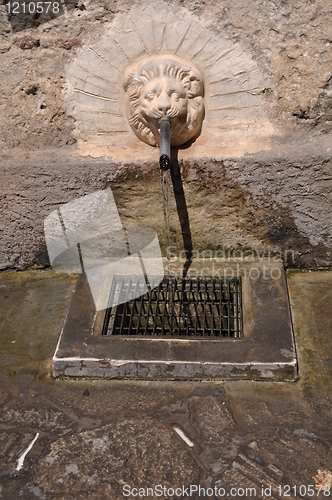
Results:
236 113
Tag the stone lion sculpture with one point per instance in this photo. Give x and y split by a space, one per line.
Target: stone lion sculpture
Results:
164 88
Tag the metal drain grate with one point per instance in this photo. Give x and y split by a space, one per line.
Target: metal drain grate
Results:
199 307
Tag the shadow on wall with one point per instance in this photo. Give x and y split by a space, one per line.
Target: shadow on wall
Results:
293 191
182 211
259 203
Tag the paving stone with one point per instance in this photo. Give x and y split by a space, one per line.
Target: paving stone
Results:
129 452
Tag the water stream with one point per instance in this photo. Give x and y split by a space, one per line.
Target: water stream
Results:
165 189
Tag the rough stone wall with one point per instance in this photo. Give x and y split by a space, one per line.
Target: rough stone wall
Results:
276 202
32 65
290 40
277 199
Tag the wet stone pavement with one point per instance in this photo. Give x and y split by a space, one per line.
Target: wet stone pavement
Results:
101 439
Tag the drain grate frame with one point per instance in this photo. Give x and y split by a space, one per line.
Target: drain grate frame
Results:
206 307
265 352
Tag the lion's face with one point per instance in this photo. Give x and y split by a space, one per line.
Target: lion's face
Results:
163 98
163 88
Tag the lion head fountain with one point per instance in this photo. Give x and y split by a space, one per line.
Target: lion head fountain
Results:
164 88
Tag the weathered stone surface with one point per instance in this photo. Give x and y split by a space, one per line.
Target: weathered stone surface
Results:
48 419
111 454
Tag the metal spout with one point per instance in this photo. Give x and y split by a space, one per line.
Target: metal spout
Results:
165 146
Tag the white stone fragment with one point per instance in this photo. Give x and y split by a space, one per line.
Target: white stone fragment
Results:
20 461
